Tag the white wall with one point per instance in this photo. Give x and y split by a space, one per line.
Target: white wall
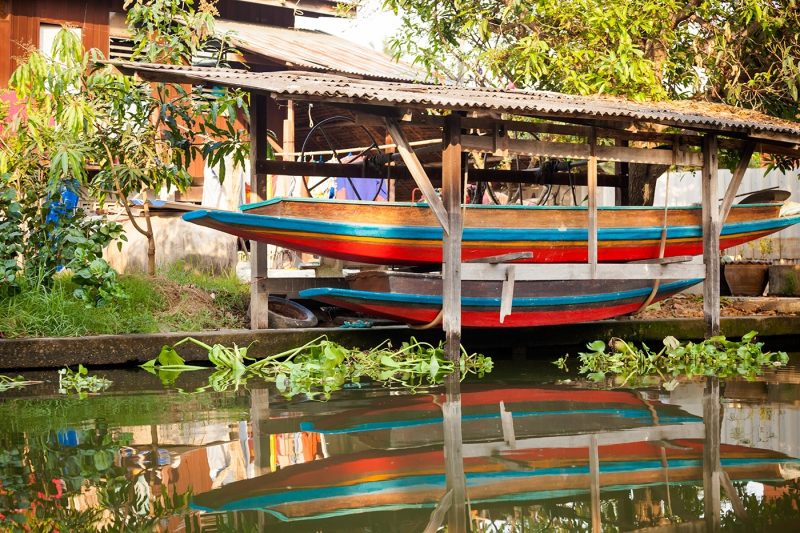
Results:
684 189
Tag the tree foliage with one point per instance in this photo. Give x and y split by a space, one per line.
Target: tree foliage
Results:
744 53
86 128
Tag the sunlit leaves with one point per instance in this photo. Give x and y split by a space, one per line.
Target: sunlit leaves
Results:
743 53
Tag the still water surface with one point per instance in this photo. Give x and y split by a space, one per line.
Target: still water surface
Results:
371 459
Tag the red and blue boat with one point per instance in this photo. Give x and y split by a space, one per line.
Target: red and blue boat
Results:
398 233
379 480
416 298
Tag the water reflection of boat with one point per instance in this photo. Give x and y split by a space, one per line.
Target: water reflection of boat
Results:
406 233
414 420
388 480
417 299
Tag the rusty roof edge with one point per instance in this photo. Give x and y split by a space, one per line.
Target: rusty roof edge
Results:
344 90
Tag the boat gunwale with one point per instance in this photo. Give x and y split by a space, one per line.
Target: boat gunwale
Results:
336 201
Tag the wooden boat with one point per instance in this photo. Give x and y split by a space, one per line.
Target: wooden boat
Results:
397 233
378 480
417 299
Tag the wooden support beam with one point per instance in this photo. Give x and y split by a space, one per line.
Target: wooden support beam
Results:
302 168
418 173
576 271
259 290
656 156
594 483
711 455
711 230
591 178
736 180
452 178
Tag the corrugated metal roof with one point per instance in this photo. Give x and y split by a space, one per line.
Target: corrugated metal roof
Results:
339 89
315 50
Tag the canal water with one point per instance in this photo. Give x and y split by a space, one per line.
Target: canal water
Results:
542 451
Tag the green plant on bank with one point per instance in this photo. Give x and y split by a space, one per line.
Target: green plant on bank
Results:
321 366
175 300
716 356
80 382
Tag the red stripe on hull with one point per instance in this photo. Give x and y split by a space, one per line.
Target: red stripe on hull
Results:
489 318
415 254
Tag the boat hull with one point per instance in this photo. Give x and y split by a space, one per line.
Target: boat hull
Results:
535 303
408 234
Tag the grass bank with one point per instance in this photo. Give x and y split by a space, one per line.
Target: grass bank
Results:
177 299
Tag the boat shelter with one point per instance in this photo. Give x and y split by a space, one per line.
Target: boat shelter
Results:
508 122
505 123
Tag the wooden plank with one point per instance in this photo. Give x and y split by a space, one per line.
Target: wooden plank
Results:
259 291
594 483
438 514
711 455
502 258
736 502
583 151
576 271
507 423
591 178
419 175
711 230
736 180
507 293
606 438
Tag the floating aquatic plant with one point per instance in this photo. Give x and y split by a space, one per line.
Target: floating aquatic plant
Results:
8 383
80 382
322 366
716 356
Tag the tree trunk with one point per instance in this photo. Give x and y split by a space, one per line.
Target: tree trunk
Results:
151 240
642 178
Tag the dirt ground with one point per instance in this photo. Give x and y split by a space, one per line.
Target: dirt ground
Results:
691 306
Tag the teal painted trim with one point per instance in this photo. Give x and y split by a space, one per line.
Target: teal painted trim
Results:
633 414
246 207
438 480
499 235
436 300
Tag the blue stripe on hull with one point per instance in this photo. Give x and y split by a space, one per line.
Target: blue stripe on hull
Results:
245 220
548 301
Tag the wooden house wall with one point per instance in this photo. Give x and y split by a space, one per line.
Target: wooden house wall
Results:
26 16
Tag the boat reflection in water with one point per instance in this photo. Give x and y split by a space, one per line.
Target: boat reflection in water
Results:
548 453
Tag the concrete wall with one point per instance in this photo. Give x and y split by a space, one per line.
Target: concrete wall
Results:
684 189
176 240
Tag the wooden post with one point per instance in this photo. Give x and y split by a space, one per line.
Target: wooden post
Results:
259 292
711 229
591 179
452 174
259 413
594 483
711 455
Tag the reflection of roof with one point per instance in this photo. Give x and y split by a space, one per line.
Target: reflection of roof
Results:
341 90
314 50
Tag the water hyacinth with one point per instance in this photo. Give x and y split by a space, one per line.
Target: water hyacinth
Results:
321 366
716 356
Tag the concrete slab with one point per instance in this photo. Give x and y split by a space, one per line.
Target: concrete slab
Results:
135 349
